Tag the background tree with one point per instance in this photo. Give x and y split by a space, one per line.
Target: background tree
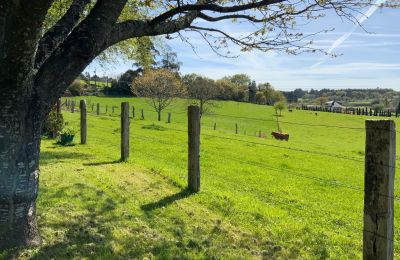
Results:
321 101
202 90
46 44
398 108
76 88
169 61
122 86
160 86
260 98
252 92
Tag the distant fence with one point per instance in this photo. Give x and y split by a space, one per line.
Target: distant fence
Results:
365 111
380 164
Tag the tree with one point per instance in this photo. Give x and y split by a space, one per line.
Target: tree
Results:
43 50
398 108
160 86
280 105
252 91
169 60
203 90
321 100
76 88
122 86
260 98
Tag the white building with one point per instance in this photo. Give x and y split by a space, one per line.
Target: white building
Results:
334 106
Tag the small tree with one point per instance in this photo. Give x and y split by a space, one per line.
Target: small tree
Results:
76 88
280 105
321 101
160 86
202 90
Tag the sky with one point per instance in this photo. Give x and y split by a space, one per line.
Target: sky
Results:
367 58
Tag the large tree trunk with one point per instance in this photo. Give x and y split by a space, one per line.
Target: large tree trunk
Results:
20 129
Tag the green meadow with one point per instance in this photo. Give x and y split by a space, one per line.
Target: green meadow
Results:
260 198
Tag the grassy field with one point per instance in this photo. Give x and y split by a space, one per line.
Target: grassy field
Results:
260 198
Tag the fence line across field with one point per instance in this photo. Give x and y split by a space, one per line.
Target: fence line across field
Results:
262 144
380 160
264 120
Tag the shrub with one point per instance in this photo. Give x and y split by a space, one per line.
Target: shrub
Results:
76 88
53 124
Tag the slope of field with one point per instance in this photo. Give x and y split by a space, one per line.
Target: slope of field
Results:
260 198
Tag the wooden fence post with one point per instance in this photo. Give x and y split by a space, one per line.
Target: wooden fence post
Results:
106 109
194 148
133 112
98 109
92 107
124 131
169 117
142 114
236 126
67 104
82 107
73 106
215 126
380 159
113 109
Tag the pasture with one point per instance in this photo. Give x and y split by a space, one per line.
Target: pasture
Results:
259 198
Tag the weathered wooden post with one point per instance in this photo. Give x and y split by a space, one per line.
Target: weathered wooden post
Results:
133 112
67 104
73 106
106 109
215 126
92 107
98 109
142 115
236 128
82 106
194 148
113 109
380 160
169 117
124 131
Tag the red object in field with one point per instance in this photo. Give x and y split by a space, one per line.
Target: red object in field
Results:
280 136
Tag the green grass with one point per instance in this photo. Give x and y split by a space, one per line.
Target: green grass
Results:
100 84
260 198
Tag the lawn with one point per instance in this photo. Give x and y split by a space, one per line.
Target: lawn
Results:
259 198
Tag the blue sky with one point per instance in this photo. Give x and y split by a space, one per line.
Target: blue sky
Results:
367 60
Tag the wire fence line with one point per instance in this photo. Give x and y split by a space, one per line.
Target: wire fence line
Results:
332 182
337 156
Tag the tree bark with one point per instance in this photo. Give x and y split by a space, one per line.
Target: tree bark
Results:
20 130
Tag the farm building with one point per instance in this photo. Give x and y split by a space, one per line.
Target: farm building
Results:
334 106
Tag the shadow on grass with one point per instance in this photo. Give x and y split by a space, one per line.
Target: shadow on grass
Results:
167 200
47 157
102 163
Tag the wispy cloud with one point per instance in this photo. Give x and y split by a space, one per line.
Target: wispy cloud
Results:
361 19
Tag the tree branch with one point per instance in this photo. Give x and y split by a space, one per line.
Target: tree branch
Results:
81 46
59 32
212 7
